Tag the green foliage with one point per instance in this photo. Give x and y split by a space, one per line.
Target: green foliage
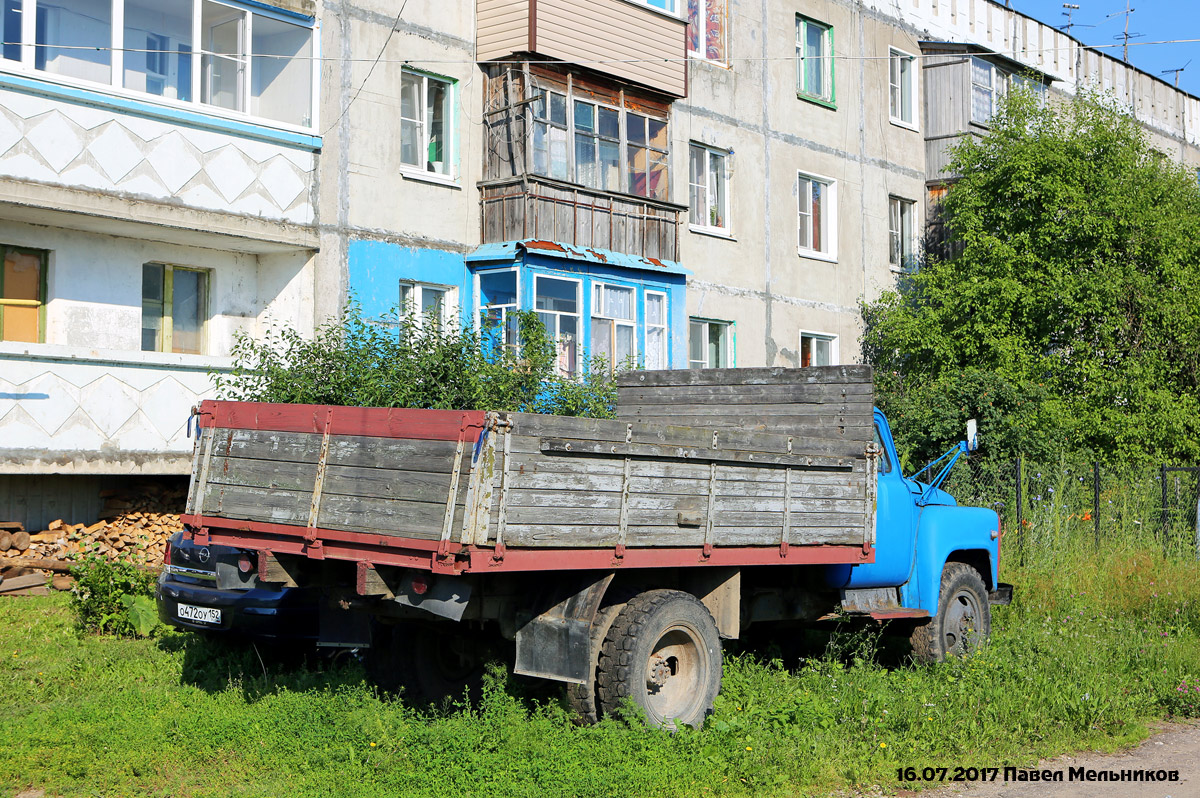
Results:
409 361
113 597
1069 318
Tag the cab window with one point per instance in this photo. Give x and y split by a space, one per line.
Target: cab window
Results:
885 462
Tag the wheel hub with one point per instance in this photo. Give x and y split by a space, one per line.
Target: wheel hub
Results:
661 668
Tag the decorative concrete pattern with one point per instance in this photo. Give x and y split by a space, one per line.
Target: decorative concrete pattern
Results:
54 141
96 407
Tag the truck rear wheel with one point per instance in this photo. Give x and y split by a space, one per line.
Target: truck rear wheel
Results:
663 652
964 617
583 699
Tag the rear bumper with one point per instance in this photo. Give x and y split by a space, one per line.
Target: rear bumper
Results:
284 614
1001 595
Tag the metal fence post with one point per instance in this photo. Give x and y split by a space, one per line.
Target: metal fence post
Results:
1020 515
1096 499
1163 475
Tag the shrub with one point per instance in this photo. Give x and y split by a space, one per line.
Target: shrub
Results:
113 597
407 361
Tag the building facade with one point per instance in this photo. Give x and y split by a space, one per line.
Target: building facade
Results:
676 183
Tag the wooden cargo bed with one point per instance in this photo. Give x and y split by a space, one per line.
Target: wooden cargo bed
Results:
802 475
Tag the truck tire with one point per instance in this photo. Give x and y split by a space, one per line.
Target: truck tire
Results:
582 698
663 652
964 617
426 664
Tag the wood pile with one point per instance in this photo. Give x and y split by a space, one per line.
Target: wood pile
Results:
134 526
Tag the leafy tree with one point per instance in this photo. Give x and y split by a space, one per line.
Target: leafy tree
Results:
413 362
1068 319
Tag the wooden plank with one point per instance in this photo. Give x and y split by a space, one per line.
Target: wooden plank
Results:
526 464
727 439
393 517
750 394
821 375
21 582
567 516
576 447
858 415
383 483
298 447
590 535
584 500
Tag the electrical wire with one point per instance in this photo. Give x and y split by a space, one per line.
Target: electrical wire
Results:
370 71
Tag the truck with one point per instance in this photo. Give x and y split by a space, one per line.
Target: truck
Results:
614 555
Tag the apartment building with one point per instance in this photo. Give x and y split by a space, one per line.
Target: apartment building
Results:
683 183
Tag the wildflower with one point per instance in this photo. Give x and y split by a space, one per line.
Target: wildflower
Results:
372 745
883 745
748 748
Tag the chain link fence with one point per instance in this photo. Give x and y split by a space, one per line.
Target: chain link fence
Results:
1050 505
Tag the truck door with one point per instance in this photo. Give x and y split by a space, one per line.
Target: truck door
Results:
895 521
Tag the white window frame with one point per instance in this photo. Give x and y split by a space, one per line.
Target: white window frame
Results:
424 172
579 316
727 342
1038 88
994 88
547 126
708 189
665 326
596 138
702 32
417 296
670 8
603 314
902 230
824 61
829 220
505 309
830 338
897 77
27 65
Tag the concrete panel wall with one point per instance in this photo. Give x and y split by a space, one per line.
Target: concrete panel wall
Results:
756 276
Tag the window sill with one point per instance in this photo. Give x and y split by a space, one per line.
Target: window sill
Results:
430 177
662 12
714 232
821 101
812 254
903 124
710 61
11 350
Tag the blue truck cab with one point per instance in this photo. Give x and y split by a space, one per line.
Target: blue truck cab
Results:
933 558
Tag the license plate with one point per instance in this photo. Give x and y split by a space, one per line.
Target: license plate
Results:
199 614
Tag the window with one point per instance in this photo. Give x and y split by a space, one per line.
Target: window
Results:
901 87
174 308
607 143
902 219
670 6
706 29
22 295
498 304
708 199
985 90
885 462
190 51
550 135
425 123
710 346
647 154
613 324
814 60
656 330
818 216
597 146
427 303
557 304
1034 87
817 349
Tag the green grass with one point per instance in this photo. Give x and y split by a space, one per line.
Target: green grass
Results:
1095 646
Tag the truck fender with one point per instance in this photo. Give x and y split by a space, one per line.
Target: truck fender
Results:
554 627
950 534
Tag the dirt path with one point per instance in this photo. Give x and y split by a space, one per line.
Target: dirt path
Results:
1176 747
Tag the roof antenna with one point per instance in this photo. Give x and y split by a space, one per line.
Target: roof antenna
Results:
1176 71
1126 35
1071 9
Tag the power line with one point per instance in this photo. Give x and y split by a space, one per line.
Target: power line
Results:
587 62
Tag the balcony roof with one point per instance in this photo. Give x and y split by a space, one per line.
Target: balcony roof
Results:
509 250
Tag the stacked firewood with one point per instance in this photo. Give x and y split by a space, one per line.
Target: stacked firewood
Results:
134 526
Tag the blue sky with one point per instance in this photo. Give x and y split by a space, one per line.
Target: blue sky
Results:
1157 20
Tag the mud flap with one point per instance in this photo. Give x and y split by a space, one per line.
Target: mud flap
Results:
553 634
